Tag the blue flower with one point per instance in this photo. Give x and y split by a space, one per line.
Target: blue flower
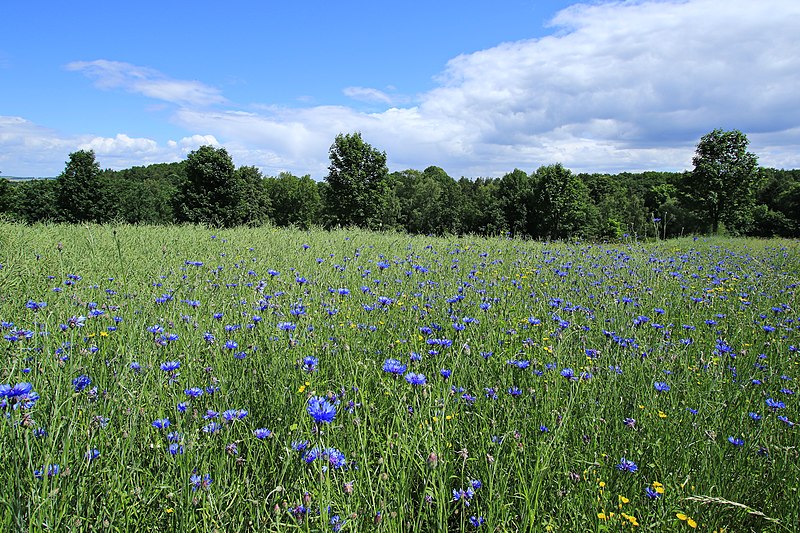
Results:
393 366
627 466
175 449
775 404
735 441
652 493
416 379
81 382
170 366
161 423
262 433
198 481
661 386
321 410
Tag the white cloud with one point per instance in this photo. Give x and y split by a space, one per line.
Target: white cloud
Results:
148 82
623 85
367 94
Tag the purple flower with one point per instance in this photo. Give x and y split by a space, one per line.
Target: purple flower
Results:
416 379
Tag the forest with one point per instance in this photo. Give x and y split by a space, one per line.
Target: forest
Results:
726 192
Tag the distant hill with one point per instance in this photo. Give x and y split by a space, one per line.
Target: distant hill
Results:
27 178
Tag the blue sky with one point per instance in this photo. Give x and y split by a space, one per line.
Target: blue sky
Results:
476 87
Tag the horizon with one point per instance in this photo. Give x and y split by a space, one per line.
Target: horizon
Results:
477 90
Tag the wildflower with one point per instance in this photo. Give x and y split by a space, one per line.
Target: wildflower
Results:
51 470
262 433
463 495
661 386
415 379
161 423
310 363
775 404
476 521
175 449
736 441
211 428
198 482
445 373
652 493
170 366
630 422
194 392
81 382
684 518
393 366
91 455
627 466
321 410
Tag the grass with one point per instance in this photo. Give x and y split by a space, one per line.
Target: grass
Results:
550 419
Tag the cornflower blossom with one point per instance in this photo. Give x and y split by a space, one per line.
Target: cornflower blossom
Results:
262 433
81 382
661 386
198 482
321 410
161 423
627 466
736 441
415 379
393 366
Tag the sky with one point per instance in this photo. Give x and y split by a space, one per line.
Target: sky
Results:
476 87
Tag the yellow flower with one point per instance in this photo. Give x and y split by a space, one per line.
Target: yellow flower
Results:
104 334
623 499
662 414
681 516
602 516
692 523
602 484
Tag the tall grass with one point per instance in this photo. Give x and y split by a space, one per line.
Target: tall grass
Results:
590 386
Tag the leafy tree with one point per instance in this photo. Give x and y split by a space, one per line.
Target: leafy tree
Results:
429 202
209 194
481 212
562 200
80 191
516 197
723 183
7 196
250 200
358 192
293 201
37 201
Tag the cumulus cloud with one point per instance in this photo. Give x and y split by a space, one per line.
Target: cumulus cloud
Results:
148 82
615 86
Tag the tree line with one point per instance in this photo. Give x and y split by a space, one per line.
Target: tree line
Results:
726 191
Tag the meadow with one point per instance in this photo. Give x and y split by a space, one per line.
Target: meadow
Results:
187 379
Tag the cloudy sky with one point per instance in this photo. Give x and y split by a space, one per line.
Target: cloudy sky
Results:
476 87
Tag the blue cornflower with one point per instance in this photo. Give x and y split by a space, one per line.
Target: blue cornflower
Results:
262 433
211 428
321 410
652 493
735 441
231 345
198 482
755 416
568 373
661 386
627 466
775 404
445 373
170 366
476 521
514 391
194 392
310 363
175 449
81 382
393 366
161 423
91 455
416 379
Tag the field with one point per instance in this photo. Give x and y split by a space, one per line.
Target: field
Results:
184 379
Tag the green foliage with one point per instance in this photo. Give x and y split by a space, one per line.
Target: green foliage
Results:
429 202
37 201
359 193
214 193
562 201
293 201
723 184
517 198
80 191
